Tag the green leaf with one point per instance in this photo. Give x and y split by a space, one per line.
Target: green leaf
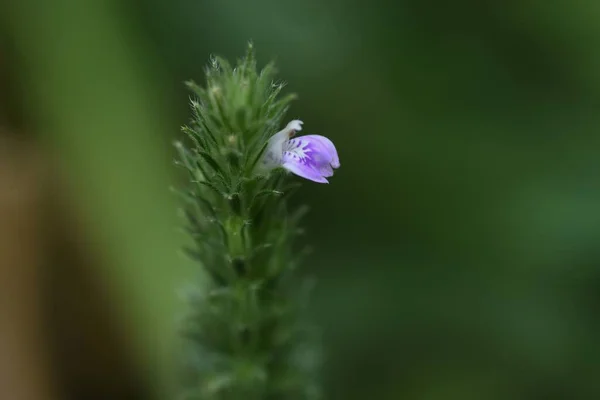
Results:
210 161
194 87
222 65
257 158
205 122
213 188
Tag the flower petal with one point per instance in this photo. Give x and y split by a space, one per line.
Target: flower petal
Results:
327 148
302 169
294 126
277 142
315 150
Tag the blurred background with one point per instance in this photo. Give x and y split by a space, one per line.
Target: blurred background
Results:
457 249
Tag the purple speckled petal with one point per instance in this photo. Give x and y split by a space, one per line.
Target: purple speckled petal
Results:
326 148
304 170
312 157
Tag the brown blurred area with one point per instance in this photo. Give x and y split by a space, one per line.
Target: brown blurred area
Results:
58 337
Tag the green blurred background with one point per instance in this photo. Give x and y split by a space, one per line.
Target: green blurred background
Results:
457 248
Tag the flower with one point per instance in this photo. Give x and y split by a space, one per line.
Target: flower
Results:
311 156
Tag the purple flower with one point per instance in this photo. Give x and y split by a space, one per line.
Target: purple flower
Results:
312 156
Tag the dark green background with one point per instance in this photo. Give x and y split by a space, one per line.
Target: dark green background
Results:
457 249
